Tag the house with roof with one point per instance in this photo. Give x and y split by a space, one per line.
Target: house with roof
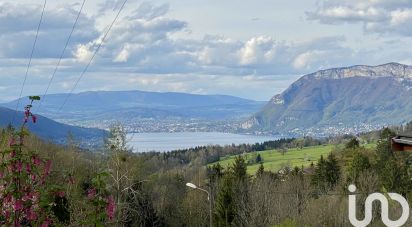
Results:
402 143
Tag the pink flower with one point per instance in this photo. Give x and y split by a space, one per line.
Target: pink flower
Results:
7 214
35 160
31 215
7 199
18 205
46 223
47 167
35 196
12 142
11 167
32 196
26 197
34 118
61 194
71 180
28 168
19 165
91 192
110 209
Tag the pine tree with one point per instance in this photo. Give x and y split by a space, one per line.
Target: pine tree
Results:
359 164
352 144
260 171
224 211
239 168
384 148
259 159
394 177
332 171
297 171
318 178
327 173
312 165
215 172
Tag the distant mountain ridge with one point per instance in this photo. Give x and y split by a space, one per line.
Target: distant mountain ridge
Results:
142 109
51 130
386 70
128 99
357 98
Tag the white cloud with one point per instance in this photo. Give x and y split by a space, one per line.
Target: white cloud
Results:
304 60
109 5
256 50
124 54
83 53
143 41
148 11
149 49
401 16
376 16
18 24
216 51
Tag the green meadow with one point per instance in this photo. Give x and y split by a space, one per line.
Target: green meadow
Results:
274 160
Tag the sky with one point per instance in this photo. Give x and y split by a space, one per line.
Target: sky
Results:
252 48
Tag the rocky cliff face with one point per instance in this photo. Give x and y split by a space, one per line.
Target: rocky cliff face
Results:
355 98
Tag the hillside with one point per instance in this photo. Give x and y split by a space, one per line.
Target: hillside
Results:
340 100
102 108
51 130
274 160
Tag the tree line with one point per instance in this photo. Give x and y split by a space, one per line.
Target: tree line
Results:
116 187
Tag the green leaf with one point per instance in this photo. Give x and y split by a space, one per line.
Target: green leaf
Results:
103 174
34 97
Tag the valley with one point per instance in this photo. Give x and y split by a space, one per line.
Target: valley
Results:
117 113
141 111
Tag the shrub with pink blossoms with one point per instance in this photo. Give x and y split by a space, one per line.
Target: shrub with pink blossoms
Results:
99 197
110 208
28 199
24 196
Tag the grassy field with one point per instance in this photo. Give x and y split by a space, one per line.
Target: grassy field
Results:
274 160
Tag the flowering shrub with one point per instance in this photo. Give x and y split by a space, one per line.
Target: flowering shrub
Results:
100 198
24 195
27 199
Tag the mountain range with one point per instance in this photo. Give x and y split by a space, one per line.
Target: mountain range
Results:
145 111
332 101
339 100
51 130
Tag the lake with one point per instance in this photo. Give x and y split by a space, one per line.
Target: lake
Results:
143 142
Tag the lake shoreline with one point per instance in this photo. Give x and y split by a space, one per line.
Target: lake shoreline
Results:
169 141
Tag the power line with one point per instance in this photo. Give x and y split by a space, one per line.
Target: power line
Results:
305 192
63 52
93 56
29 64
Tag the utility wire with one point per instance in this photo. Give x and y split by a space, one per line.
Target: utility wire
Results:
62 54
29 64
93 56
314 193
